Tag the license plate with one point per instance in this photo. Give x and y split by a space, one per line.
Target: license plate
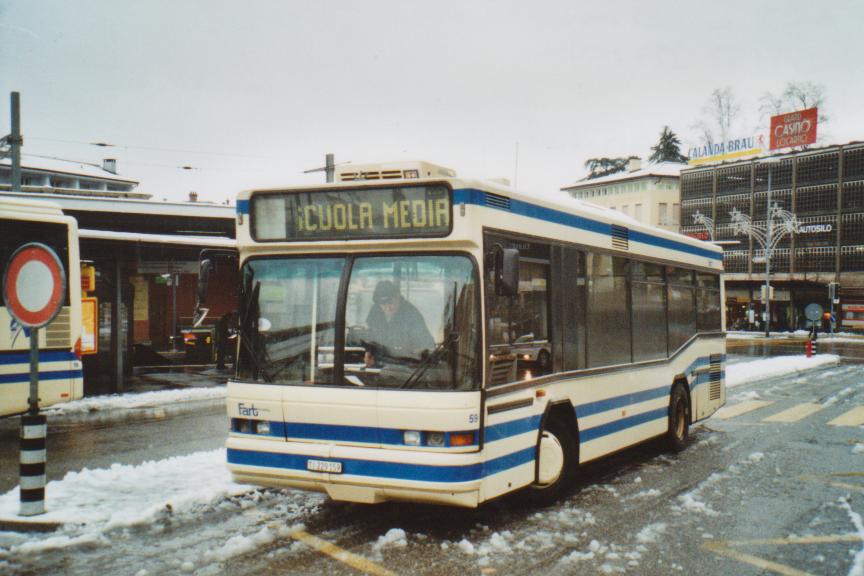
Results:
324 466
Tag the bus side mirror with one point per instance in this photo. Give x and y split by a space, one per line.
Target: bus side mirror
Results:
506 271
203 284
204 280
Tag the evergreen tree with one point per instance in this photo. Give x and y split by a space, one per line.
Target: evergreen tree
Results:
599 167
667 148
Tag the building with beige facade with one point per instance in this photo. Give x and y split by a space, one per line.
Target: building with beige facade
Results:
651 194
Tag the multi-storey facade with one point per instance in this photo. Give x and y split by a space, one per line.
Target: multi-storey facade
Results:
824 189
47 175
650 194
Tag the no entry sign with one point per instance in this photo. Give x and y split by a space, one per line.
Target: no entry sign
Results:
34 285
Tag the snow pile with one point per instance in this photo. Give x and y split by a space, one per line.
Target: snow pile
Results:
241 544
836 337
92 502
394 538
651 533
857 568
129 401
745 372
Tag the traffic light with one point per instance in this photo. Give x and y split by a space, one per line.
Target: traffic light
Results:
834 292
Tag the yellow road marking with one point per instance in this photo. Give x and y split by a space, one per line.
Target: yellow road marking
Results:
741 408
795 413
854 417
725 548
721 549
842 485
337 553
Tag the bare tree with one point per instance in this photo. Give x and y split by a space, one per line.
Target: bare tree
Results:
795 96
718 115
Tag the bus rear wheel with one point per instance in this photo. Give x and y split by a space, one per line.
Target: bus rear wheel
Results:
556 463
679 420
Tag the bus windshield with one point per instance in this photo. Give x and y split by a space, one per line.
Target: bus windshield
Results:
399 322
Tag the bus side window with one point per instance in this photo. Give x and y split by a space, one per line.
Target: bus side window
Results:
518 327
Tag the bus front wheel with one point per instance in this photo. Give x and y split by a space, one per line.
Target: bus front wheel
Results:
679 420
556 462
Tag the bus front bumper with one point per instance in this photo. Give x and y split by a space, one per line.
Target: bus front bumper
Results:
368 475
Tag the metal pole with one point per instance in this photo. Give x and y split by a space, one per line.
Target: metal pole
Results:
31 470
174 279
768 250
15 142
330 167
33 401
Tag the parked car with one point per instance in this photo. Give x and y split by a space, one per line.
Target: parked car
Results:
535 352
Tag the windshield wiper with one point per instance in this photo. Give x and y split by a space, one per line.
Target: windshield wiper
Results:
433 358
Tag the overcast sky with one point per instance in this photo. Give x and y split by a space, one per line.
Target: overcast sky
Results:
252 93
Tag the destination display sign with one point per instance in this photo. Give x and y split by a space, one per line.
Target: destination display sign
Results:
365 213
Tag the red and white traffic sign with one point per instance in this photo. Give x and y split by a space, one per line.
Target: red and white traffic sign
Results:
34 285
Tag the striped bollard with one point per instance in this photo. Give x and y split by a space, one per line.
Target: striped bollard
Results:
32 468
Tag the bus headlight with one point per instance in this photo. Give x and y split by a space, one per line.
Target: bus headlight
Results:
435 439
411 437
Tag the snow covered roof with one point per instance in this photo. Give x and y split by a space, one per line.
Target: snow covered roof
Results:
672 169
210 241
133 206
67 167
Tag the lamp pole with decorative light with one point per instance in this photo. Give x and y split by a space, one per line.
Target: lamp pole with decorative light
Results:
768 236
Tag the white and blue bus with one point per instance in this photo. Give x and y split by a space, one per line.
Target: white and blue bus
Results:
60 370
409 335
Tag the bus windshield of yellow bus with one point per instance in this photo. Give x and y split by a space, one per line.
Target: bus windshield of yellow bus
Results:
364 213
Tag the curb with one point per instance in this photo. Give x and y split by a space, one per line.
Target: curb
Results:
7 525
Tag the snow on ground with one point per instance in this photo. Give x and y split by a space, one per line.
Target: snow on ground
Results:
93 505
836 337
128 401
857 568
121 496
745 372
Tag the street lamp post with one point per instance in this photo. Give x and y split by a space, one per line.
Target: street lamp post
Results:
769 231
768 236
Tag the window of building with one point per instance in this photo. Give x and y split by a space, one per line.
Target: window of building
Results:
626 209
637 212
676 214
663 213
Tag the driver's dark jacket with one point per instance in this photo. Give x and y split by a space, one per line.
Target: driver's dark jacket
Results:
405 335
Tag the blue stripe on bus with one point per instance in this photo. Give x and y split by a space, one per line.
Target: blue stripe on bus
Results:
590 434
347 433
242 206
478 198
512 428
607 404
393 470
44 356
25 376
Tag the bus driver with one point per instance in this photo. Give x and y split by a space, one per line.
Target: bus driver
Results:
396 327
